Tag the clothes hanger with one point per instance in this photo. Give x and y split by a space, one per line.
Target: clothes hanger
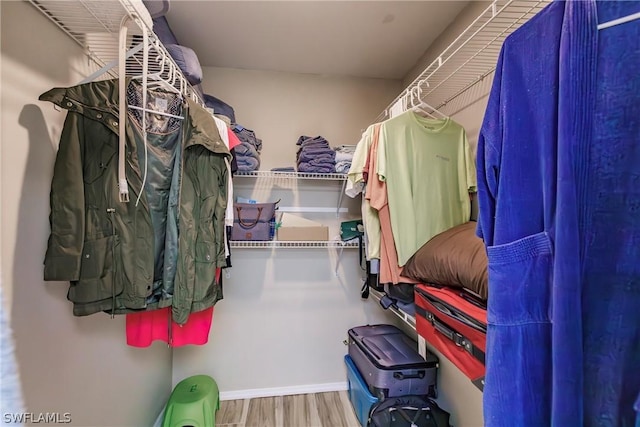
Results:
420 106
623 20
157 81
416 105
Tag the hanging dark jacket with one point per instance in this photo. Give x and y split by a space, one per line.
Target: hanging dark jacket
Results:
163 250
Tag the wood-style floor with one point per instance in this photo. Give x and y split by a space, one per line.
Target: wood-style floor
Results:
331 409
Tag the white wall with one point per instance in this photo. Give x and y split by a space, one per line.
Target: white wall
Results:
459 24
280 107
285 314
67 364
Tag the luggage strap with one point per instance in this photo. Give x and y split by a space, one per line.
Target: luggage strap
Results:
364 290
459 339
403 414
406 416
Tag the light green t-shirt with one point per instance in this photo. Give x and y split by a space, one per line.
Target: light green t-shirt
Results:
429 172
355 186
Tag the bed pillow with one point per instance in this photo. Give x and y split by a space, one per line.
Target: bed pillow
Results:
188 62
220 107
162 29
455 257
156 8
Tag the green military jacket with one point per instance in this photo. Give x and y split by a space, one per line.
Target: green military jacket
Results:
162 247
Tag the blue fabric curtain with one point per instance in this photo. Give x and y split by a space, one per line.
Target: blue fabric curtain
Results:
559 195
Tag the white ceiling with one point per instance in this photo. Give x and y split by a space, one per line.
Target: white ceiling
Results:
380 39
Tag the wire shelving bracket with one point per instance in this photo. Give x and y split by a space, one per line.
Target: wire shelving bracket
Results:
95 26
445 83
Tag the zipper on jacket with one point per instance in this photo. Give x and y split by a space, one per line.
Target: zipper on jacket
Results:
179 214
180 176
111 212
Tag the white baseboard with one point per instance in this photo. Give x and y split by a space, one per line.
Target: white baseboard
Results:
159 420
282 391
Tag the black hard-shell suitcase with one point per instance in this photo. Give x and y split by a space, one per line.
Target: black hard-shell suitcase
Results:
389 362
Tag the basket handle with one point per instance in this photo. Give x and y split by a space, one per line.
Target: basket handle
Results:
246 224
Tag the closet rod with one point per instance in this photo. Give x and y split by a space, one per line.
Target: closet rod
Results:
439 62
94 26
471 55
112 64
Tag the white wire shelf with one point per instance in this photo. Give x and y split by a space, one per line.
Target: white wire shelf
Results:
95 26
470 58
292 175
273 175
406 318
275 244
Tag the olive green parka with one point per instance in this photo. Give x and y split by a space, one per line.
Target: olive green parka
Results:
161 250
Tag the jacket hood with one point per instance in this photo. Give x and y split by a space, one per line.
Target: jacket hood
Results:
99 100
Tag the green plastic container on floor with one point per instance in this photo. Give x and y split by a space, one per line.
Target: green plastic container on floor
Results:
193 403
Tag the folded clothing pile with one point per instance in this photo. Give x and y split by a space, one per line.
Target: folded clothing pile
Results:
344 157
248 152
315 155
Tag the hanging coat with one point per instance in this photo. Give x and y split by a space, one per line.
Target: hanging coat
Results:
558 181
160 252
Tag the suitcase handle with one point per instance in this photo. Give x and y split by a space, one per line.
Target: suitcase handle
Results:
454 336
403 376
444 330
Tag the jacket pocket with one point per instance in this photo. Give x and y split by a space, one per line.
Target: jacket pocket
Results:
98 273
95 164
208 207
205 265
519 281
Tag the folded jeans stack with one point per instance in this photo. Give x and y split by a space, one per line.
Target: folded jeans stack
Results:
315 155
344 157
248 152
